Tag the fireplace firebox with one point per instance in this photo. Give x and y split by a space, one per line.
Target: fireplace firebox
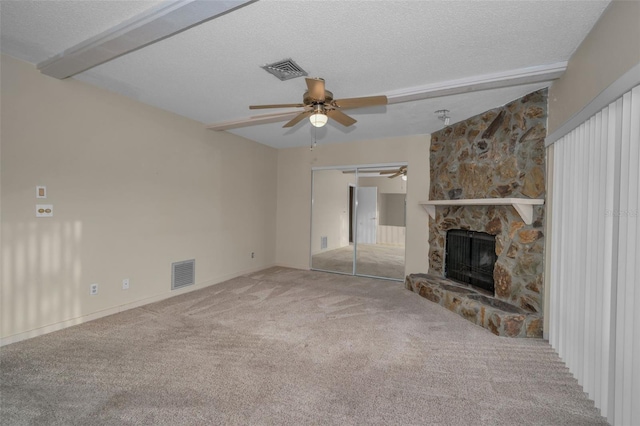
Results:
470 257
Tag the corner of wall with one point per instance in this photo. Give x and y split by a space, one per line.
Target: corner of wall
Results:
611 49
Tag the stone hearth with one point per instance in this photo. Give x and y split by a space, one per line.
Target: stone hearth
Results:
497 154
501 318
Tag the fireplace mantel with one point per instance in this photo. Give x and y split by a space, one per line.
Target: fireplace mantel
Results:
524 206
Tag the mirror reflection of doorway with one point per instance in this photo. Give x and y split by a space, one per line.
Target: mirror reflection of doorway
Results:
352 207
361 232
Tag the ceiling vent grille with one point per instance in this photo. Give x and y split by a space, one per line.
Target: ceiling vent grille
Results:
183 273
285 69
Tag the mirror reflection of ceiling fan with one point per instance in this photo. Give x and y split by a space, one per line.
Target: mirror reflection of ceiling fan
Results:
400 171
318 105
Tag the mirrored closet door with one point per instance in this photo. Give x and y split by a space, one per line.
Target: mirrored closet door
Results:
332 246
358 220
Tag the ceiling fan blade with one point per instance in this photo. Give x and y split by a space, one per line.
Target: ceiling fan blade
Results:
400 170
276 106
360 102
341 117
277 114
298 118
252 121
316 88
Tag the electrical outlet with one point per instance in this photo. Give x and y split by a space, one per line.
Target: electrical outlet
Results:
125 284
44 210
93 289
253 255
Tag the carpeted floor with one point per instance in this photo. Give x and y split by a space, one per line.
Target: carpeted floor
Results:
378 260
285 346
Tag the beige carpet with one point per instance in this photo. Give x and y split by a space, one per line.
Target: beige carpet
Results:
291 347
378 260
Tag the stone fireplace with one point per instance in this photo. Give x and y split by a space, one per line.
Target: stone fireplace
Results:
495 155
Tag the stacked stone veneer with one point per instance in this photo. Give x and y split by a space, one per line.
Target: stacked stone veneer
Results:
497 154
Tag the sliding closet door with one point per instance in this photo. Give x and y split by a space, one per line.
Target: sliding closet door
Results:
380 222
358 221
332 230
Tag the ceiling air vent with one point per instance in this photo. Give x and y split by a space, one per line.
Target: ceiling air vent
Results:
285 69
183 273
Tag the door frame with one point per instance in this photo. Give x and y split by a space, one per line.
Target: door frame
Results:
352 206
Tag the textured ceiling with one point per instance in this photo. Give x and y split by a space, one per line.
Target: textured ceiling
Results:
211 72
37 30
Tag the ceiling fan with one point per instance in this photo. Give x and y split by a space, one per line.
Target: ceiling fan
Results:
318 103
401 171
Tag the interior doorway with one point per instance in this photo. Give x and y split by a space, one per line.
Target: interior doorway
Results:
367 214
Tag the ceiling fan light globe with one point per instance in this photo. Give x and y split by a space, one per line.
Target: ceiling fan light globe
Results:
318 120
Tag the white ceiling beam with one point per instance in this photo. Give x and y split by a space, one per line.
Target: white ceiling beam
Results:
142 30
517 77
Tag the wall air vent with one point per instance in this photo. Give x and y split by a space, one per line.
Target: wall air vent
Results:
183 274
285 69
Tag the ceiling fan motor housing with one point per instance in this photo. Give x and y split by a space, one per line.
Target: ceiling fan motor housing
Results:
308 100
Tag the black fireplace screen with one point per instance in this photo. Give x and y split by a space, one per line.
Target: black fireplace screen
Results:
470 258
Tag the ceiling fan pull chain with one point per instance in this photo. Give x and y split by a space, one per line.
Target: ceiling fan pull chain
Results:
314 142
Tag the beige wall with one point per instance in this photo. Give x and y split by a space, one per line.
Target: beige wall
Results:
331 209
134 189
611 49
391 209
294 192
385 185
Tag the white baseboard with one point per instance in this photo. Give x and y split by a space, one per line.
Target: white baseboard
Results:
120 308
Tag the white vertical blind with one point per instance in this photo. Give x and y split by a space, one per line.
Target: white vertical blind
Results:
595 247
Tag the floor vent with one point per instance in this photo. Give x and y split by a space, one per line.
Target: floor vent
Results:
183 273
323 243
285 69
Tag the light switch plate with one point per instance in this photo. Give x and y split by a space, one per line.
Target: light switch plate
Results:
41 192
44 210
